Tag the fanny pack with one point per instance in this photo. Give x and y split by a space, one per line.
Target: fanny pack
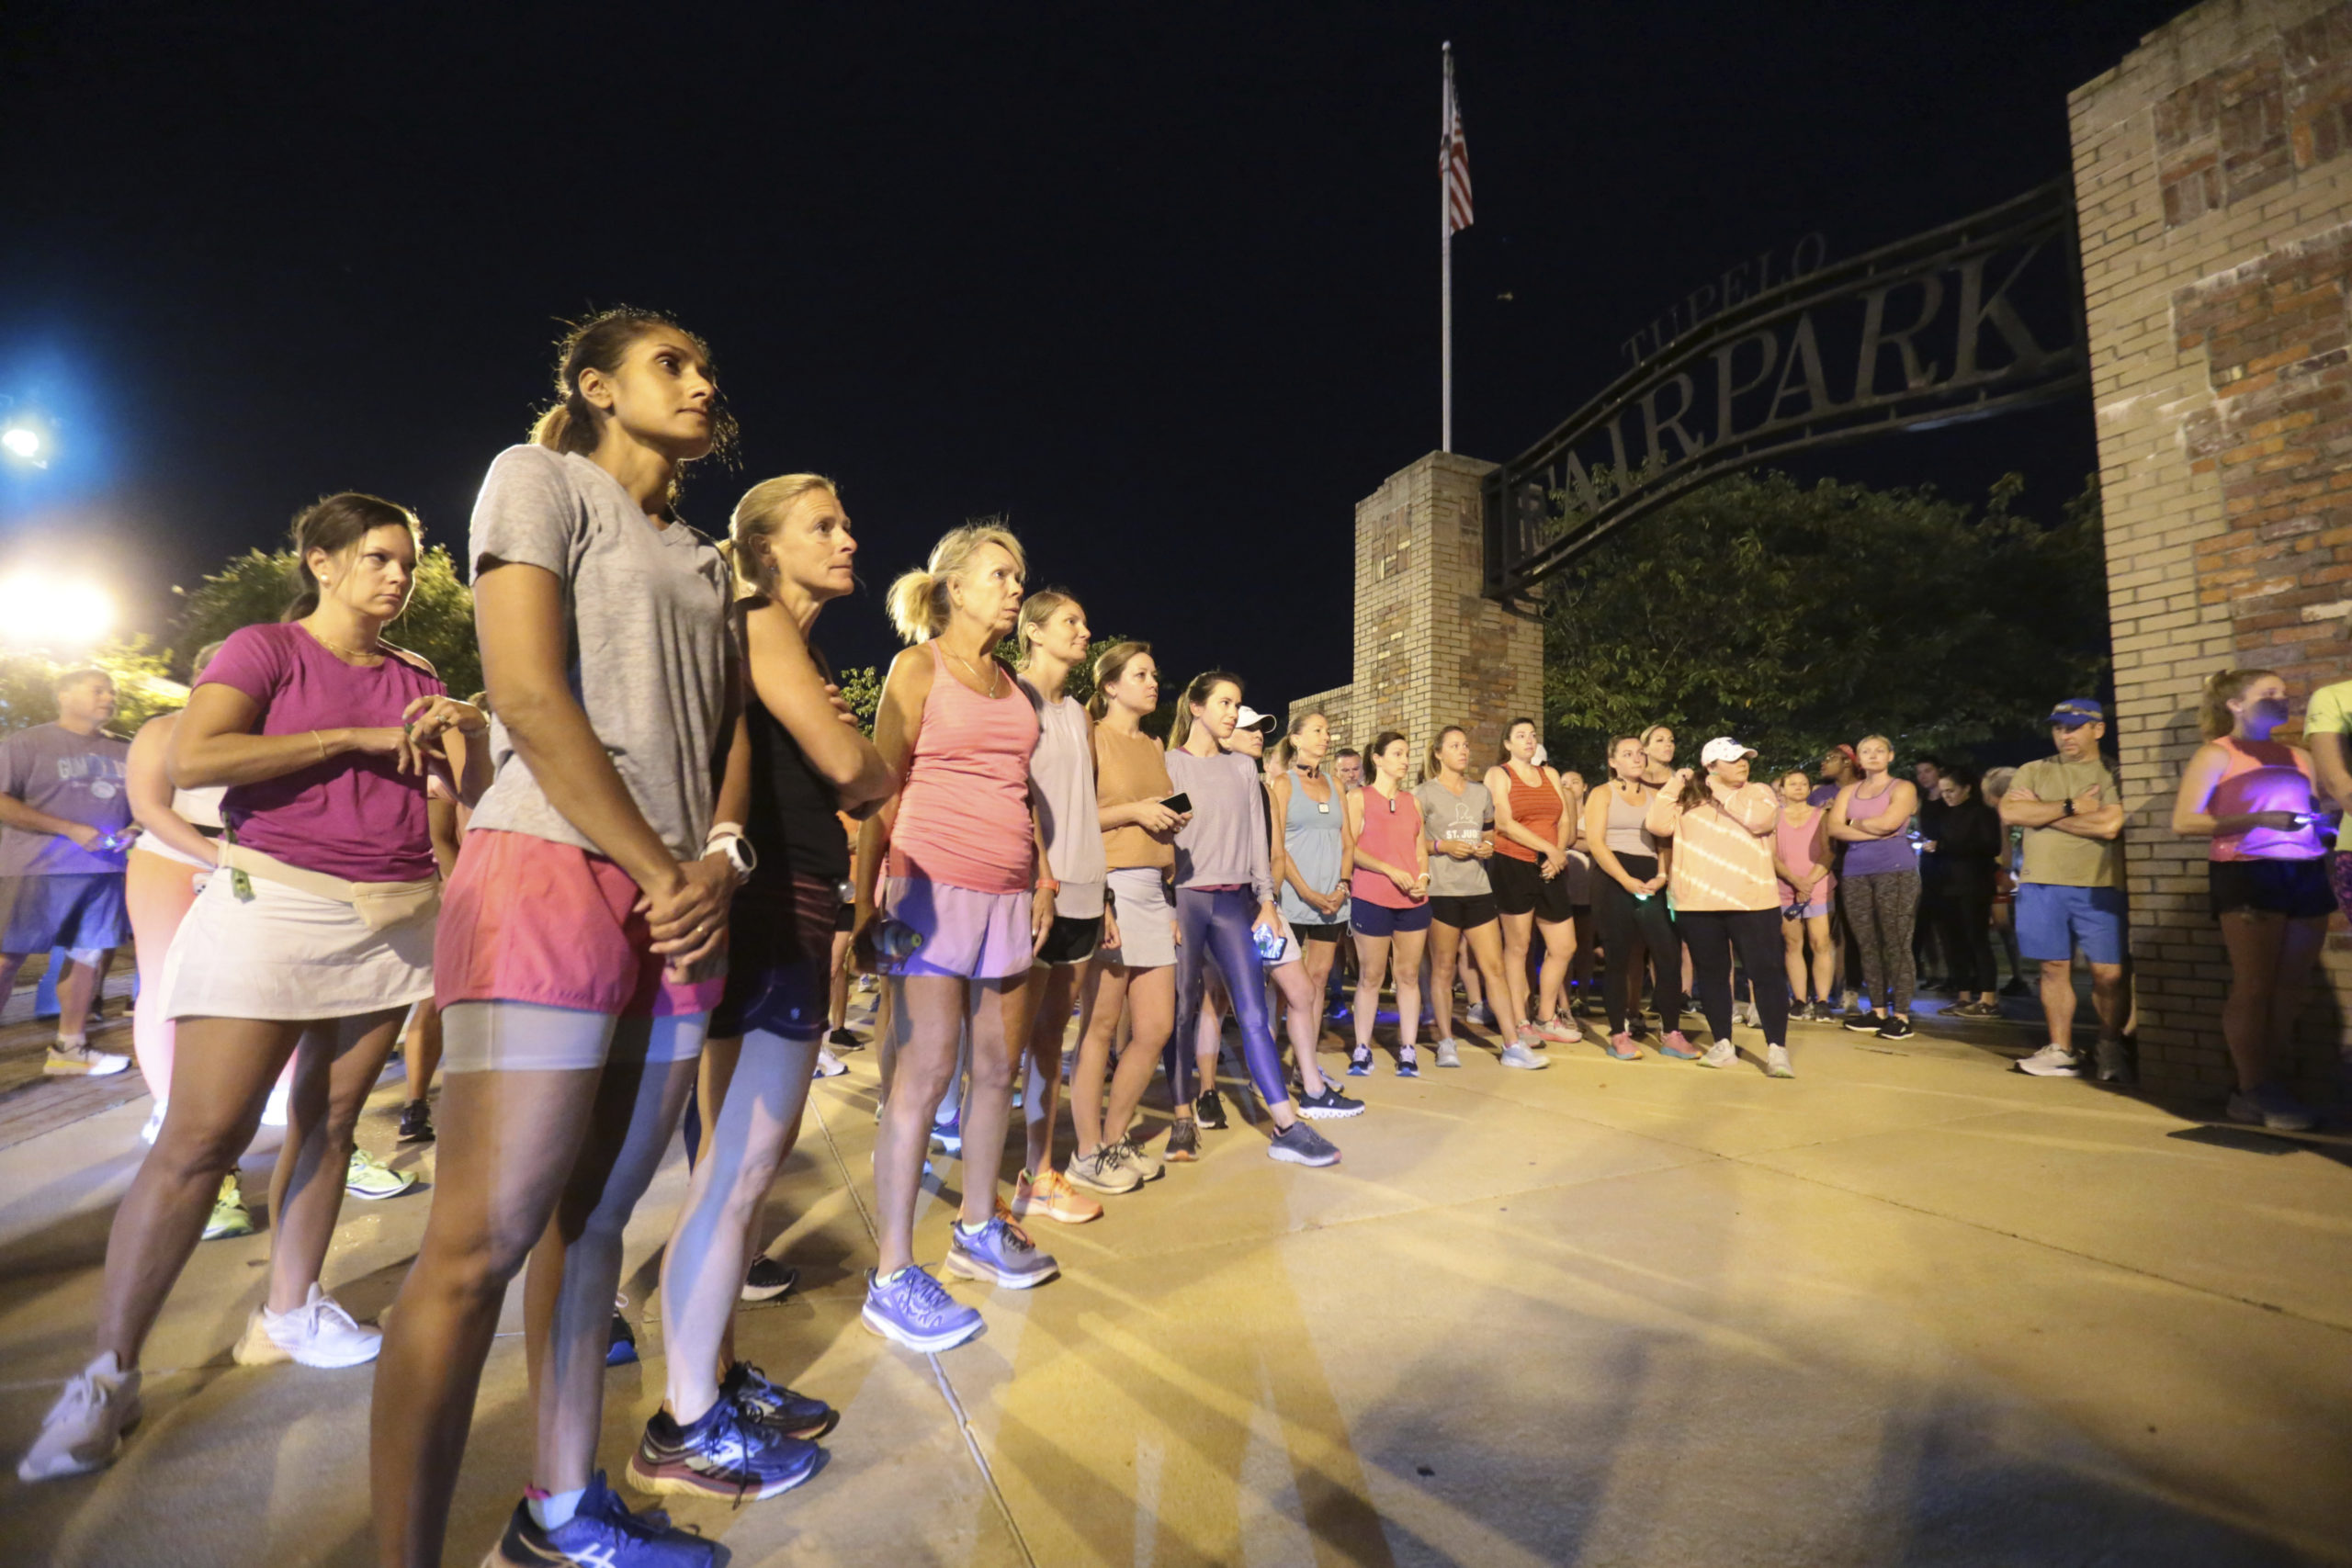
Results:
381 905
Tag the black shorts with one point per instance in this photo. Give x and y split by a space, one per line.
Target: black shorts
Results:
1070 941
1462 911
2295 888
845 917
1335 932
779 959
1520 888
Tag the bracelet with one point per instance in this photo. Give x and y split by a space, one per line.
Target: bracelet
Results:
322 744
1048 885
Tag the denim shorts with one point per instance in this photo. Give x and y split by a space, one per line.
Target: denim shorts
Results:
2053 921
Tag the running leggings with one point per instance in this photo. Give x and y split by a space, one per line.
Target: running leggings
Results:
1627 922
1968 934
1216 926
1880 906
1711 935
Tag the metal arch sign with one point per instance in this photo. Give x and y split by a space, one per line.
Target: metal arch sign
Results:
1962 323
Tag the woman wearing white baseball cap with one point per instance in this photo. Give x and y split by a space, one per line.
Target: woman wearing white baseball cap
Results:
1727 893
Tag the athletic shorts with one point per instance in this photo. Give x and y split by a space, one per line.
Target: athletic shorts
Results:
1577 873
1378 919
1147 918
1520 888
1337 931
966 935
527 920
2053 921
2295 888
779 959
81 911
845 918
1070 941
1462 912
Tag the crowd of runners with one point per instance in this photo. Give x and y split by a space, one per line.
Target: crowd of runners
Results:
626 888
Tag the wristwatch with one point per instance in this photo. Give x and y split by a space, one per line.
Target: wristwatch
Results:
737 850
2069 806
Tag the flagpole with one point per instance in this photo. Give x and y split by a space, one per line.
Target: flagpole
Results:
1445 267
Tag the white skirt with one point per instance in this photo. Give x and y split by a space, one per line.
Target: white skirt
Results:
287 954
1147 919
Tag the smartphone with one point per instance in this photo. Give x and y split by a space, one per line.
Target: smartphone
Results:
1179 802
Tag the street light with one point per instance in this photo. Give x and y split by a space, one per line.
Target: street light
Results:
22 442
38 611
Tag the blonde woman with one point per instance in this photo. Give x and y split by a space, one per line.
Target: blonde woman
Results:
965 900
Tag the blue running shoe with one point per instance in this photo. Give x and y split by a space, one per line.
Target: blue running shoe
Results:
621 1349
1000 1253
916 1310
603 1534
1360 1062
773 1405
947 1137
1409 1066
724 1454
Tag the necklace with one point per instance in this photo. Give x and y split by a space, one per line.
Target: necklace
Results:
376 657
974 670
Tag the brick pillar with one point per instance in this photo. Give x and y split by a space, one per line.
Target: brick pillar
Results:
1429 651
2215 194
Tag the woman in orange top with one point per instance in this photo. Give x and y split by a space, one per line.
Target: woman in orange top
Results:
1534 828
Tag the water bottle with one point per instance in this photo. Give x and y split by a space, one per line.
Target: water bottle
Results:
894 944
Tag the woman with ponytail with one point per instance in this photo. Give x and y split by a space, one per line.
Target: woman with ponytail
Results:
965 901
582 947
2250 797
309 945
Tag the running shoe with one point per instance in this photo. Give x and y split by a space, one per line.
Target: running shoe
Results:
1209 1110
603 1534
1000 1253
1299 1144
1481 1015
1677 1044
1860 1022
2052 1061
2114 1060
1051 1196
620 1350
155 1127
1103 1171
319 1333
83 1431
767 1279
1776 1063
416 1122
1896 1027
915 1311
1517 1055
1360 1062
1622 1046
947 1137
843 1040
773 1405
1551 1031
79 1058
1409 1066
2270 1106
230 1217
2017 987
1136 1157
829 1066
1183 1145
1588 1007
1331 1105
1719 1055
723 1454
1449 1052
368 1176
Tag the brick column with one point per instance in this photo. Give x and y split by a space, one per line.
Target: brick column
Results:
2216 214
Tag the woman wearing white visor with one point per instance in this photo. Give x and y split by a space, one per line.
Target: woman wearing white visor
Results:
1726 892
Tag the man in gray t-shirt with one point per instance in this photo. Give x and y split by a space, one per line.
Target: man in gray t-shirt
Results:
65 830
651 664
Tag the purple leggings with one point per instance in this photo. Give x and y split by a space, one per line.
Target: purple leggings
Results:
1216 926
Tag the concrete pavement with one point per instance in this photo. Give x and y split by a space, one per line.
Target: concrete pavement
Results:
1909 1308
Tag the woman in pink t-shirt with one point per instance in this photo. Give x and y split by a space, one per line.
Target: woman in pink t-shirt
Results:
310 943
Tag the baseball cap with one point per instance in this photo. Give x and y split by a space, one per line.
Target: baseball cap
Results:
1724 748
2075 712
1252 719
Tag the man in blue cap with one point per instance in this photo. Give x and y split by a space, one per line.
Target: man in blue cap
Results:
2071 892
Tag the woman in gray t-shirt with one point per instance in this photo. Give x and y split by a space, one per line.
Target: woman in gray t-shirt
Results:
1458 816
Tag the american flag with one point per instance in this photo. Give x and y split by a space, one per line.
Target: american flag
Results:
1453 159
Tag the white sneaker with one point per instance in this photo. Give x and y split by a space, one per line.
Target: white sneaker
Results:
2052 1061
1449 1052
1776 1063
319 1333
1517 1055
273 1111
77 1058
150 1133
1719 1055
829 1066
83 1431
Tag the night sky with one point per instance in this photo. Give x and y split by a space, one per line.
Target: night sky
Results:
1162 288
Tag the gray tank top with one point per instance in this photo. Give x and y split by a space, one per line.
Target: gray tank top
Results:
1626 835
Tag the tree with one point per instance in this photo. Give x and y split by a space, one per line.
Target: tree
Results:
1794 617
257 586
